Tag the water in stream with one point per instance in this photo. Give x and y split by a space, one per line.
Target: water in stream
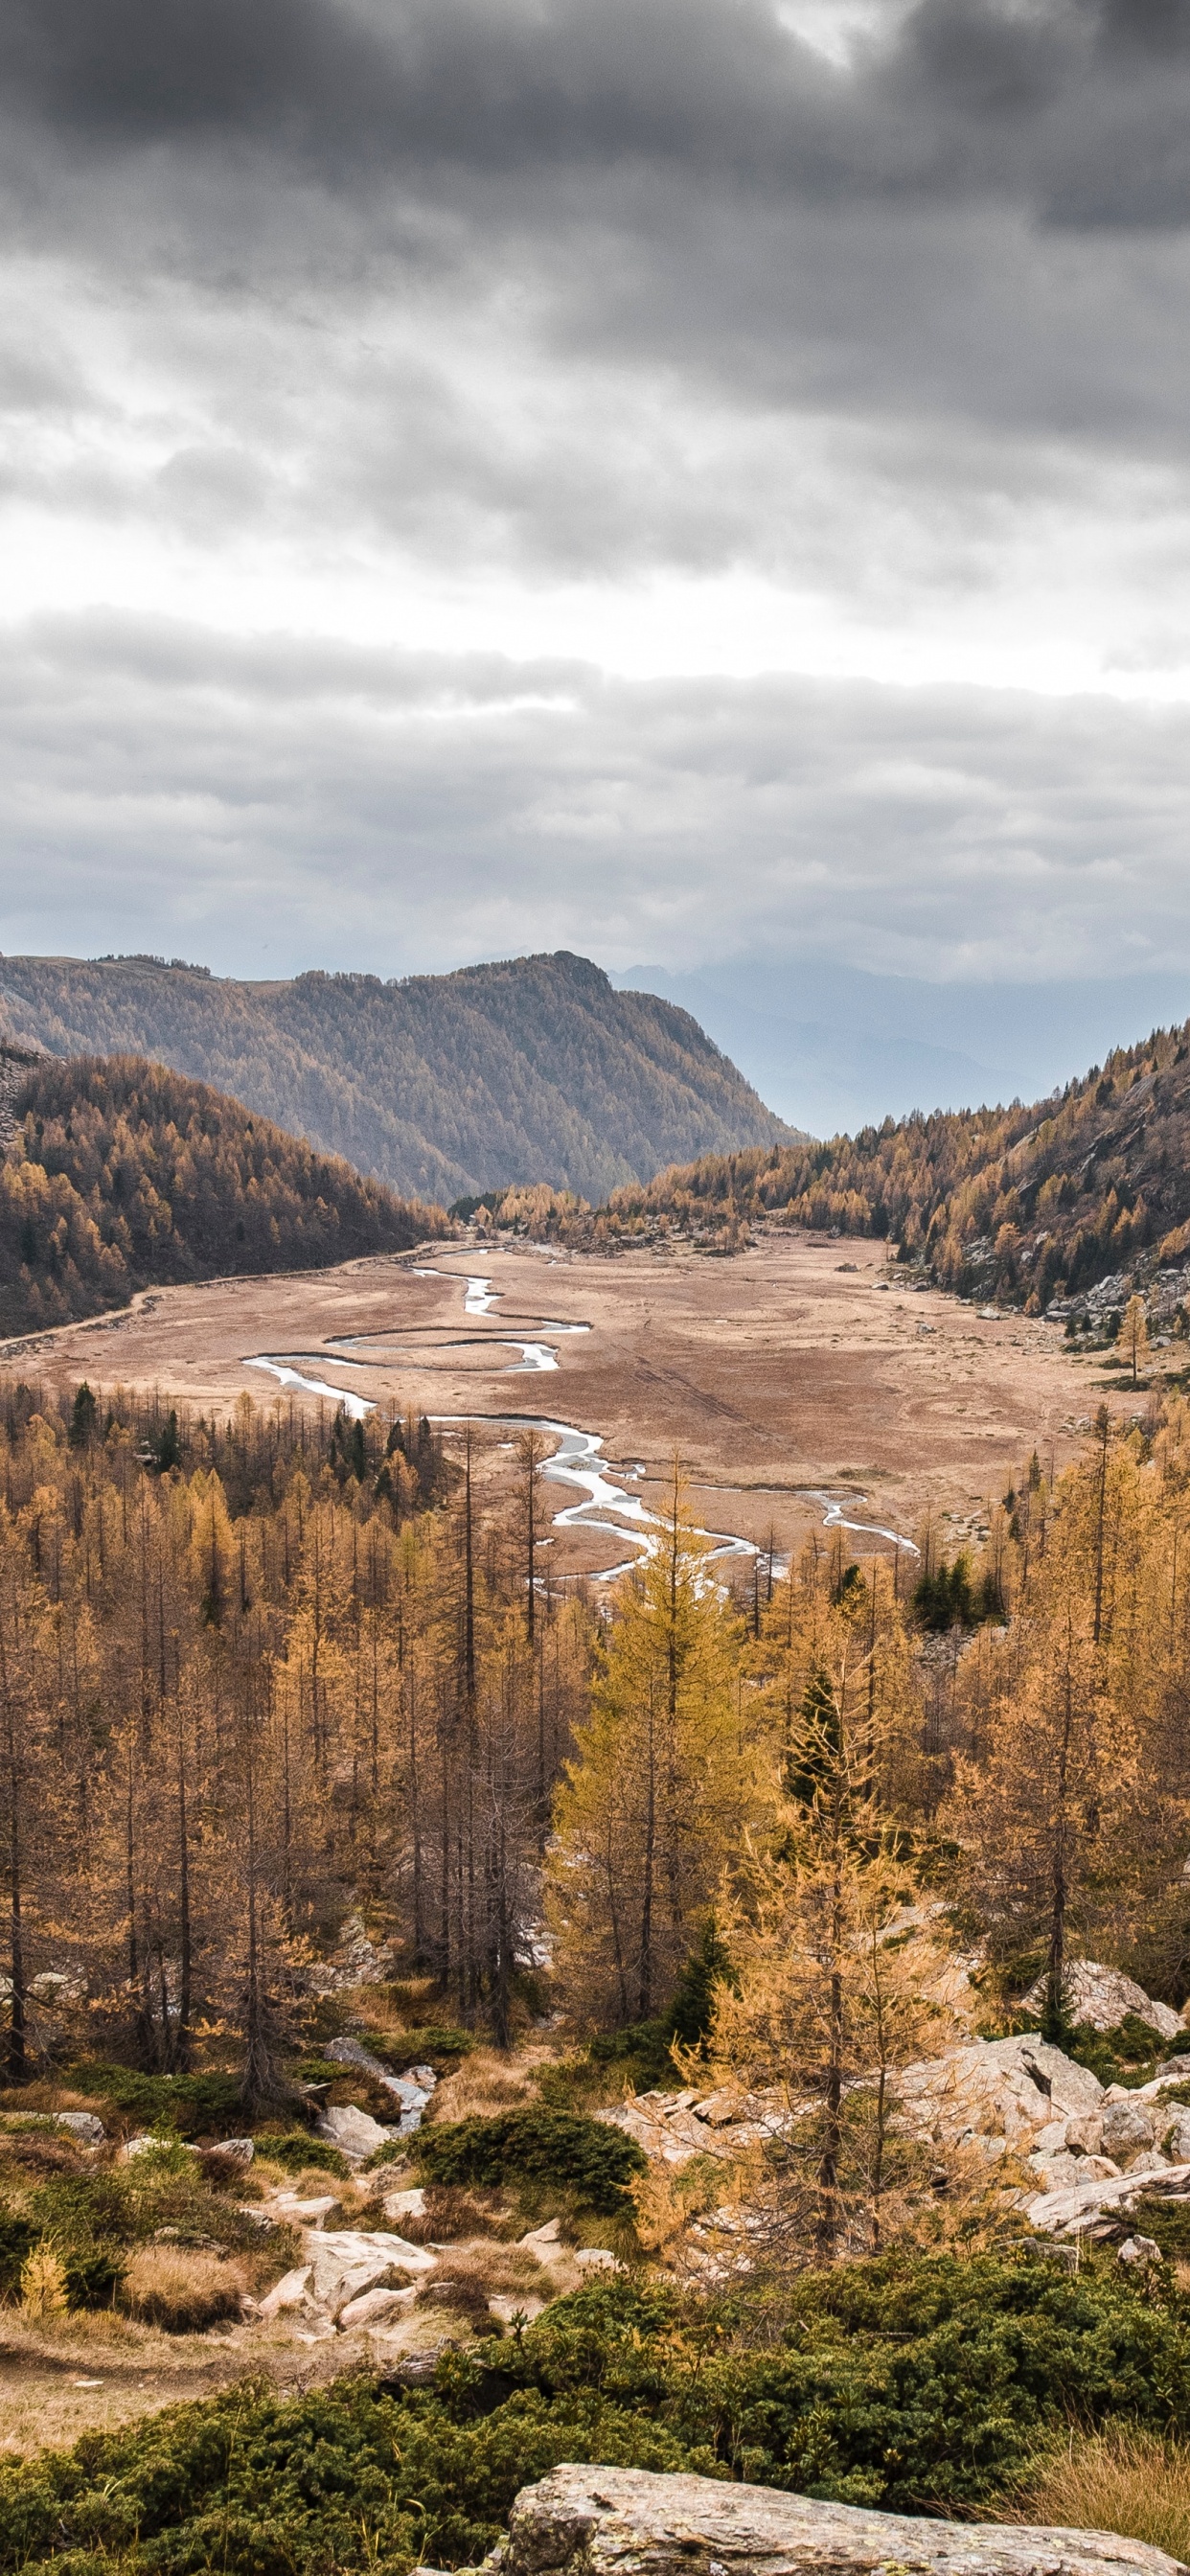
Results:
578 1460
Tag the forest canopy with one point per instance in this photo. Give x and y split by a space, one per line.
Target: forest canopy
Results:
119 1175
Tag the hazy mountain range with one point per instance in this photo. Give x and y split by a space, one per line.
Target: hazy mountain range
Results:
441 1086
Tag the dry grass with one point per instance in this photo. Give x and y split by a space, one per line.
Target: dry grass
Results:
182 2290
470 2275
1121 2480
487 2082
452 2211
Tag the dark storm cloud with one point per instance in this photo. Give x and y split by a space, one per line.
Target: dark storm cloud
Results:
962 96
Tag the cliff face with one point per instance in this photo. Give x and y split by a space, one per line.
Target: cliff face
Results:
443 1086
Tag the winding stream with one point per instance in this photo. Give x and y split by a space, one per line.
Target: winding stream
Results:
577 1462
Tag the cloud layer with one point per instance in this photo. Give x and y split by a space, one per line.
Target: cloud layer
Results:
488 473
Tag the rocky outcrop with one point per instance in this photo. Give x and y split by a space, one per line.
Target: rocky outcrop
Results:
340 2269
1102 1997
632 2522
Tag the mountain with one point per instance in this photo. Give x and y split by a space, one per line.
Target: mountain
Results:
119 1175
1030 1205
835 1047
443 1086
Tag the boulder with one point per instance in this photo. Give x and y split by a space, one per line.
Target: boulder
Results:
292 2292
1174 2141
373 2306
1068 2211
86 2125
1127 2128
635 2522
354 2132
345 2262
1102 1997
1011 2092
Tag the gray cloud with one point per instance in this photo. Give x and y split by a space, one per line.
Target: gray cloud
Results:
475 319
199 795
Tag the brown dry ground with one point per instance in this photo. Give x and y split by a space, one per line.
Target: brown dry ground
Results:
778 1375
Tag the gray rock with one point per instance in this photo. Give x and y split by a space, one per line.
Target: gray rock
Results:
1139 2249
633 2522
356 2134
411 2091
1127 2129
86 2125
1102 1996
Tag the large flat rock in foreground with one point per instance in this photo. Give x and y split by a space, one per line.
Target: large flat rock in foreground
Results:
593 2521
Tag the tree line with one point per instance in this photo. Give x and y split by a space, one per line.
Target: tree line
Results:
260 1673
1023 1203
119 1175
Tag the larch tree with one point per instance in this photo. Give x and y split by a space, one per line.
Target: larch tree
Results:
666 1778
829 1995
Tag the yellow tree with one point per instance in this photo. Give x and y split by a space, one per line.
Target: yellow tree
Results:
667 1777
1132 1340
836 1983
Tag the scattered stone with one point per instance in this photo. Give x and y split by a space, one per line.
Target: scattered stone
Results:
508 2305
292 2292
374 2304
617 2522
405 2204
146 2144
1139 2249
1127 2128
345 2262
595 2258
86 2125
354 2132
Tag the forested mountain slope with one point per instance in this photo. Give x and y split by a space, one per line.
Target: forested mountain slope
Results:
1018 1202
442 1086
119 1175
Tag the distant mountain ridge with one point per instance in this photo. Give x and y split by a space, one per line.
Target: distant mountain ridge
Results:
1034 1206
117 1175
442 1086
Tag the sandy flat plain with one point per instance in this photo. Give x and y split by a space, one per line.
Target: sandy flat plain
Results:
797 1374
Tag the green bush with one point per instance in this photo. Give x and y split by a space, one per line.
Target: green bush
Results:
915 2384
298 2152
195 2106
436 2044
17 2239
561 2148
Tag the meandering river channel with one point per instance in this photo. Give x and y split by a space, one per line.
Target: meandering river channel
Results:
605 1503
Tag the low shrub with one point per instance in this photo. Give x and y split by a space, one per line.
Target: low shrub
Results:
297 2152
561 2148
434 2043
194 2106
919 2384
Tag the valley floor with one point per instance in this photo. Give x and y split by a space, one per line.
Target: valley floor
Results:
797 1376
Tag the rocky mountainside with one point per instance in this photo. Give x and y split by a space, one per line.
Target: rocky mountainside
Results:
444 1086
117 1175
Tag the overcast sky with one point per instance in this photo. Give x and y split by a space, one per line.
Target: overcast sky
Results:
675 479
